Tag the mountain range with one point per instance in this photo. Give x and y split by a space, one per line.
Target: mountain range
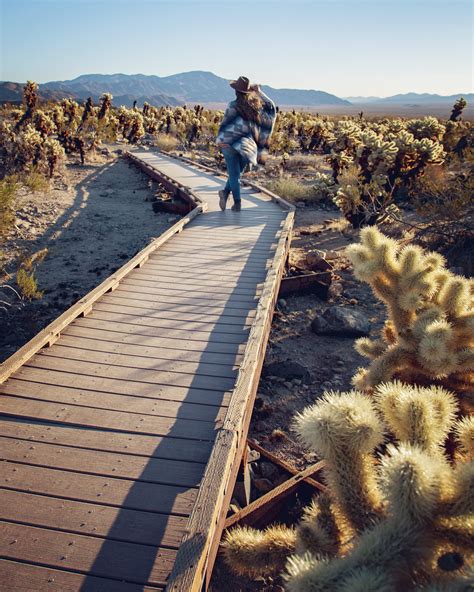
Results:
178 89
197 87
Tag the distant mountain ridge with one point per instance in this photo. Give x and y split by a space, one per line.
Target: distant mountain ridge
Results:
412 98
187 87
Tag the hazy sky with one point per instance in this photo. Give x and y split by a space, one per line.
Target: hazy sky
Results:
345 47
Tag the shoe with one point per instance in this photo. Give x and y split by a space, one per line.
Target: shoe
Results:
222 200
236 207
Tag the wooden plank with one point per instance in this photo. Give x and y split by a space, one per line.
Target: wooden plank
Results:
210 253
122 493
24 577
97 520
188 267
230 333
112 420
177 295
138 468
142 564
90 339
196 288
139 308
91 439
232 261
70 352
104 331
224 342
164 377
99 400
253 513
284 465
240 282
200 307
44 336
124 387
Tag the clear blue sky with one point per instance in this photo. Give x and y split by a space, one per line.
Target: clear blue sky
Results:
346 47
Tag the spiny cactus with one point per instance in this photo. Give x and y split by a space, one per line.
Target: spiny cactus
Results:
401 520
429 334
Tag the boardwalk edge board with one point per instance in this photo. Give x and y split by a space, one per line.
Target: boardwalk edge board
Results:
83 306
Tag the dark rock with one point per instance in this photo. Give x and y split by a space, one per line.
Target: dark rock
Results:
341 321
263 485
287 370
269 471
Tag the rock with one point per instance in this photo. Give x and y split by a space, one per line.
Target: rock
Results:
341 321
287 369
253 456
263 485
282 303
316 261
300 204
269 471
335 290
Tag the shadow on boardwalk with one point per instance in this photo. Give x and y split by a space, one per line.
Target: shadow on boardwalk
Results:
258 250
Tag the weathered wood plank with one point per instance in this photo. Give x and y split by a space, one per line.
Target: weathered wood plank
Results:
113 402
114 420
141 564
124 387
88 341
133 307
137 468
216 354
24 577
125 360
122 493
119 524
96 439
164 377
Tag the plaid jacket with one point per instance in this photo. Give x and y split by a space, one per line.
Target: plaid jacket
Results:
247 137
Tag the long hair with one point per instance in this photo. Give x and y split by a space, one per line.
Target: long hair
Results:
249 106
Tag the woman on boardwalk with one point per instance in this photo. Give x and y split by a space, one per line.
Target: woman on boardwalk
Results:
244 134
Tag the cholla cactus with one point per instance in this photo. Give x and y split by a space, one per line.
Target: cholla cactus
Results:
429 334
324 186
428 127
458 108
421 507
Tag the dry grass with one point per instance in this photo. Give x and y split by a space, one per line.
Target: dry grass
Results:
8 187
35 181
292 190
27 285
166 142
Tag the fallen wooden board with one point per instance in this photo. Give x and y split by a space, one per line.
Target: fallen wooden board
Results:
266 507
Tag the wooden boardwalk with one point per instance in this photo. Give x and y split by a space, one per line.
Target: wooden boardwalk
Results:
122 424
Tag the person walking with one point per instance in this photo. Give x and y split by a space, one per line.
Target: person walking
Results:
244 135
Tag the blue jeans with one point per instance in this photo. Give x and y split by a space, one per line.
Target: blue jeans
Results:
235 165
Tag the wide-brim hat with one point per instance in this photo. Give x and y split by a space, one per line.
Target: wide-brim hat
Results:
242 84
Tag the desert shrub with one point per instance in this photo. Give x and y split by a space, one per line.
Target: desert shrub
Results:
292 190
397 520
35 181
25 276
429 334
166 142
8 188
27 285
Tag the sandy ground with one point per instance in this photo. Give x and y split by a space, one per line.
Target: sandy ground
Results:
91 223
